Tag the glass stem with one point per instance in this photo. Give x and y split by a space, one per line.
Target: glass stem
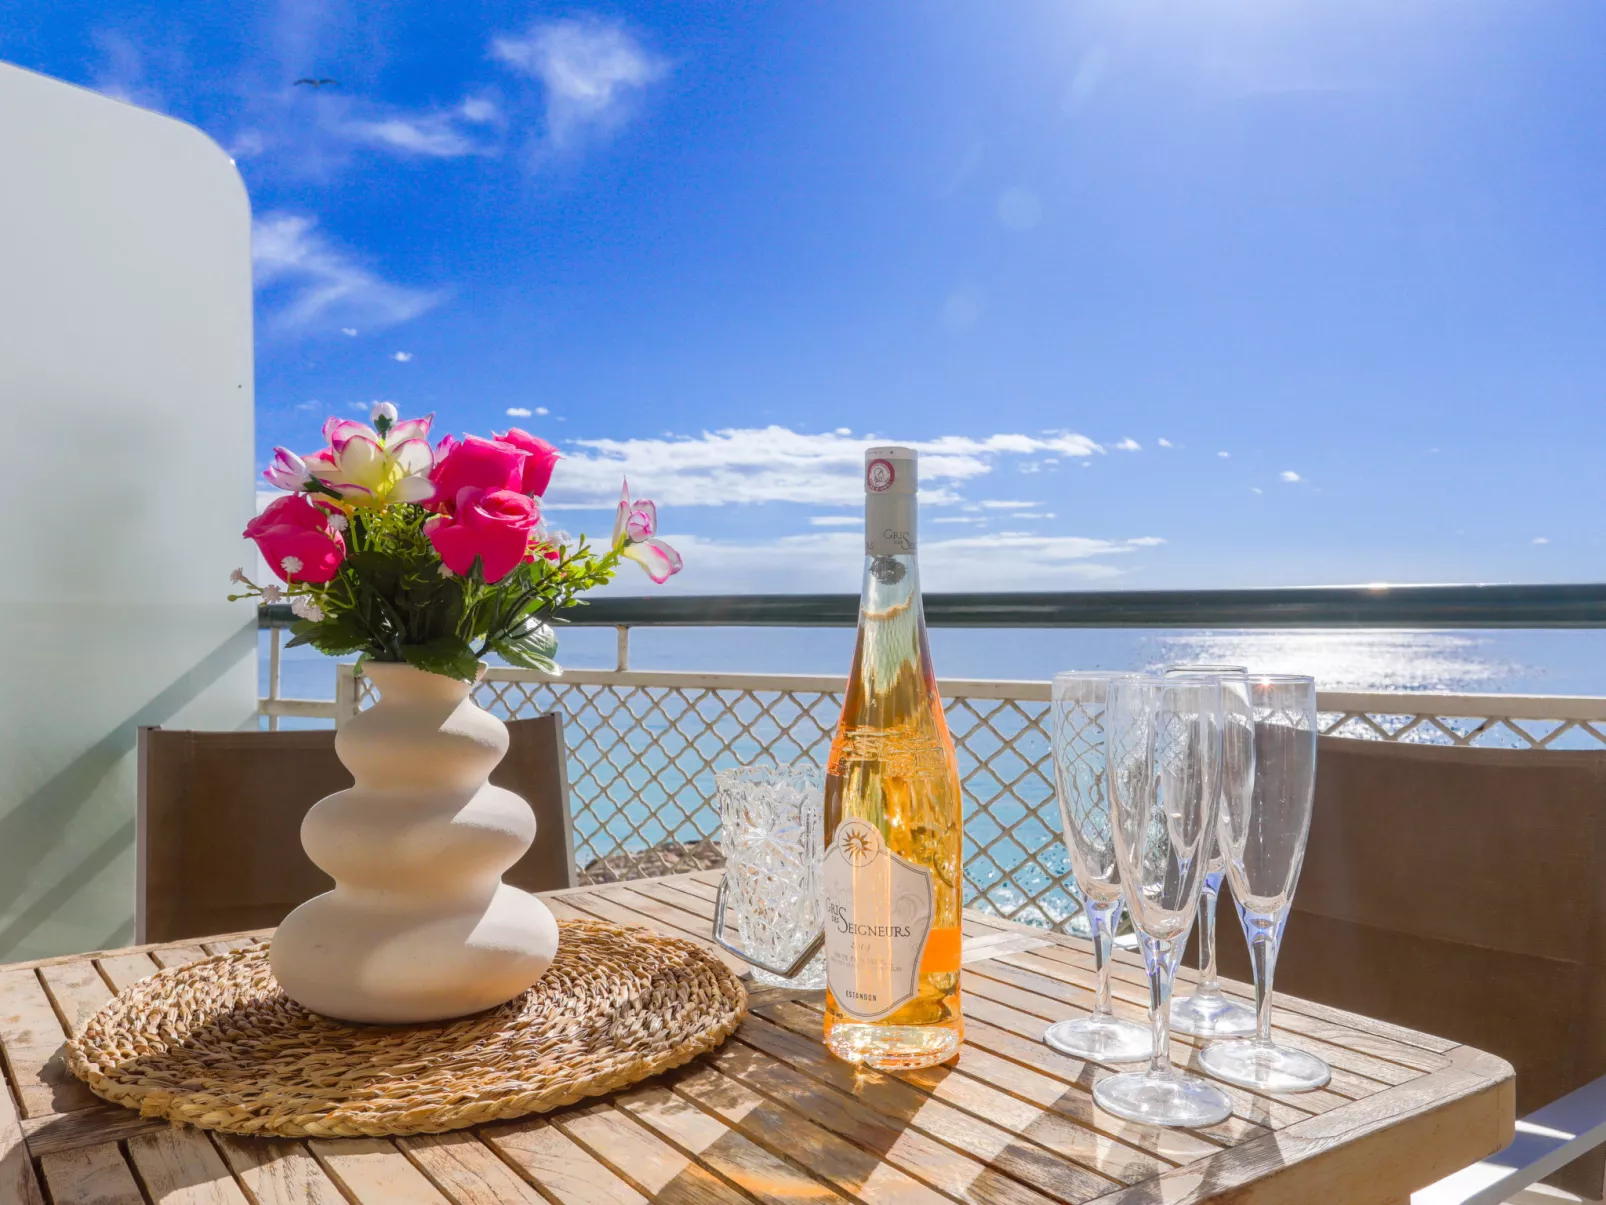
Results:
1209 985
1103 919
1162 967
1263 953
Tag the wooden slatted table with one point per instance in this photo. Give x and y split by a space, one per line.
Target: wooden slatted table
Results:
771 1118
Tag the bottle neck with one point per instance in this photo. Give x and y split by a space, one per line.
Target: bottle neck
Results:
890 524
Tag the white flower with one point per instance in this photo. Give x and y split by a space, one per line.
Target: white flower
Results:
304 607
291 564
239 576
272 594
383 410
339 522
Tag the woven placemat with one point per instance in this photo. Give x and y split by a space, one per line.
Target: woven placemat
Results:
217 1044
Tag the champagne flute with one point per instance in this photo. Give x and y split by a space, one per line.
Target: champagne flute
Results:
1079 781
1263 838
1163 737
1208 1012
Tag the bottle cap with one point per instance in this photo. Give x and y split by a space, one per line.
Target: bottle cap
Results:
891 480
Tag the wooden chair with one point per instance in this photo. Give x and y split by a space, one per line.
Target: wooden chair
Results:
1461 892
219 832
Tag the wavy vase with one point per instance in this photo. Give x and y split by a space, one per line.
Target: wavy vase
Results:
419 926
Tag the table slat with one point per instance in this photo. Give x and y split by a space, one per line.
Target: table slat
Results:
750 1167
32 1037
177 956
78 991
374 1171
180 1166
468 1171
982 989
1001 1092
1365 1073
986 1135
565 1171
18 1182
654 1167
125 970
92 1175
277 1171
100 1122
902 1140
859 1172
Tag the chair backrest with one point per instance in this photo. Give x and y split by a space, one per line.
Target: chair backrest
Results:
1461 892
219 832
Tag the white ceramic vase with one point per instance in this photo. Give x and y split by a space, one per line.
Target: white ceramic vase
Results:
419 926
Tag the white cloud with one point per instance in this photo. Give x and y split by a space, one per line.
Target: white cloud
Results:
831 561
776 464
542 411
518 412
844 430
593 73
121 73
1147 542
1224 455
1289 475
1164 442
836 521
960 519
1007 504
1129 445
349 330
402 357
316 283
1255 489
247 144
1541 539
433 134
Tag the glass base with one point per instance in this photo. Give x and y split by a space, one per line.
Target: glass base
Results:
893 1047
1264 1066
1101 1039
1162 1100
811 978
1212 1016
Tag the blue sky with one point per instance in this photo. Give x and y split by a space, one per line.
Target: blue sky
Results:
1233 292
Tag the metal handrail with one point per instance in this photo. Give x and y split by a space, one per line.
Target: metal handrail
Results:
1581 605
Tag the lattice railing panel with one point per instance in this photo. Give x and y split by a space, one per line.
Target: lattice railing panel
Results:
643 751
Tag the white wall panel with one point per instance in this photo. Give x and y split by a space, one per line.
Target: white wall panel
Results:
125 465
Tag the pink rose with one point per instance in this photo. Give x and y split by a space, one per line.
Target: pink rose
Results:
297 541
541 459
494 525
474 463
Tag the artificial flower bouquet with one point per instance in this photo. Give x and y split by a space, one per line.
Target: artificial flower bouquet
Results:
435 556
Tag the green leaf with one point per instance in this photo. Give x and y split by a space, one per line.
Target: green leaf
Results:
335 636
533 648
447 655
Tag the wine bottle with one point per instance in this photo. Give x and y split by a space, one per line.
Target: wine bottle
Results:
893 825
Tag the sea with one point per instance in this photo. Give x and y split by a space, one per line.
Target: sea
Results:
1562 662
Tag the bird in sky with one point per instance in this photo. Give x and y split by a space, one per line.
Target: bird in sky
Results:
315 83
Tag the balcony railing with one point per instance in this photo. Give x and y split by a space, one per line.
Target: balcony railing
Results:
643 745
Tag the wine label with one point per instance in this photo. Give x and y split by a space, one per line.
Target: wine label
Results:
890 484
878 910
